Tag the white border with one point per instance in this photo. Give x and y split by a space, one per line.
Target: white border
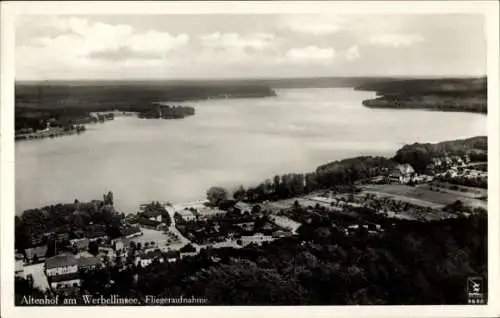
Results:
11 9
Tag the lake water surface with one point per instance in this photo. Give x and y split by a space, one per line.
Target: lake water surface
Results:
228 142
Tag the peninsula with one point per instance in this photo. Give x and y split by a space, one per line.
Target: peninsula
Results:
457 94
51 109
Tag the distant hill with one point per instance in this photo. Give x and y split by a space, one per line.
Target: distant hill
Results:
453 94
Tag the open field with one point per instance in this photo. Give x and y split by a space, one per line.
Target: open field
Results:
149 236
275 206
162 241
462 191
420 196
405 198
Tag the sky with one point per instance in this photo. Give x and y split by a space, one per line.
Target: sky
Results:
212 46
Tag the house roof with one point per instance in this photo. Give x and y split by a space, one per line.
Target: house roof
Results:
124 240
81 243
96 234
187 249
172 254
395 173
129 230
64 277
404 168
39 251
281 233
242 206
60 260
105 246
151 254
83 254
148 222
149 213
267 226
95 231
88 261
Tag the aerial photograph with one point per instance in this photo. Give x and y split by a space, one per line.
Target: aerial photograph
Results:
251 159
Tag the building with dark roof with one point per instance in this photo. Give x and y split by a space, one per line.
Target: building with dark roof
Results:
81 244
88 262
147 223
152 214
172 256
96 234
61 264
66 282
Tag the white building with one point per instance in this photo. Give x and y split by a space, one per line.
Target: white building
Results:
19 266
187 215
257 238
65 281
62 271
402 173
145 259
121 246
61 264
243 207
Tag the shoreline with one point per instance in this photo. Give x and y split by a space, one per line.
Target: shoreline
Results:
195 202
381 103
51 133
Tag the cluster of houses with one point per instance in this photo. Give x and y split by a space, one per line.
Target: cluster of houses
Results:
369 228
79 255
241 224
405 173
456 167
459 172
446 162
149 219
201 212
402 174
63 271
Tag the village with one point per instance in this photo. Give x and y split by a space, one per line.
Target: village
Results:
166 232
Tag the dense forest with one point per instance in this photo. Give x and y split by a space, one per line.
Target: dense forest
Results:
466 94
426 86
123 96
65 104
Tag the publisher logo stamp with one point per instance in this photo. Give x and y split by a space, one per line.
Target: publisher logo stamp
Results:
475 290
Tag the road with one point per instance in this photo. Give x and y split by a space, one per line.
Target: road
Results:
172 228
39 278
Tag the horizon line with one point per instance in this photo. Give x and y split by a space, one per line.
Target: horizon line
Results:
464 76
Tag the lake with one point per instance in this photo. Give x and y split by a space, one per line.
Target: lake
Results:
228 142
